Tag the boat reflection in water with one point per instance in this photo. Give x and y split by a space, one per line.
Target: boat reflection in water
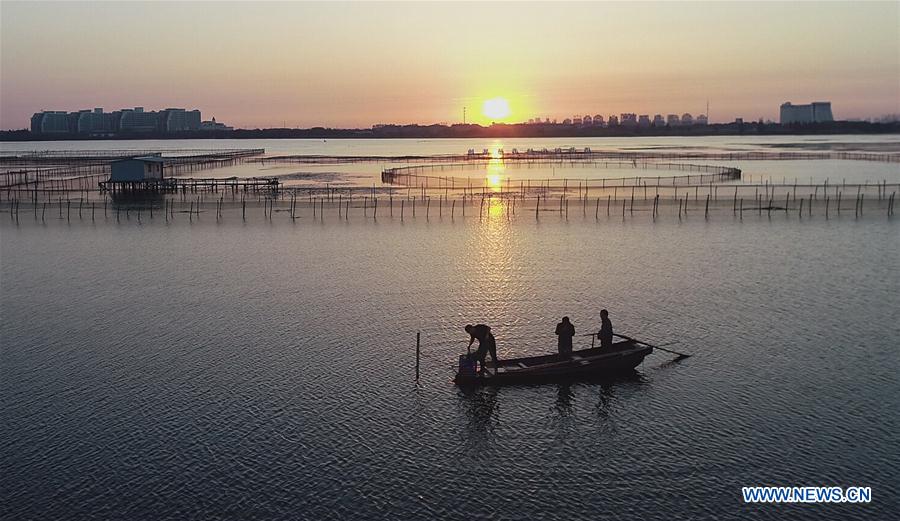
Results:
481 404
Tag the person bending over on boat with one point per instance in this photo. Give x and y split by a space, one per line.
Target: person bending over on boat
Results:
565 331
486 343
605 335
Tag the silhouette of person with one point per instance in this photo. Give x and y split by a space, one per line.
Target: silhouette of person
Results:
605 335
565 331
486 343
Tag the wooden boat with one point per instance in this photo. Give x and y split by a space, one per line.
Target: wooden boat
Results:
621 357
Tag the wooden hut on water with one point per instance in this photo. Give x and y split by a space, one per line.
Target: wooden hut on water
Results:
138 169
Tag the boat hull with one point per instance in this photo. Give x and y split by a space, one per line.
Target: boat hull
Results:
620 358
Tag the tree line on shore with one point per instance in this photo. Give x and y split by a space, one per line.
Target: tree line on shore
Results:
497 130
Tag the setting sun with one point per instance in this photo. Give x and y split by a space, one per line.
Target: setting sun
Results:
496 109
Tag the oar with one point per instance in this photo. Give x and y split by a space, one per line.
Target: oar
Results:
680 355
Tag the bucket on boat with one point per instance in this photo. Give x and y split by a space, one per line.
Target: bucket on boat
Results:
466 366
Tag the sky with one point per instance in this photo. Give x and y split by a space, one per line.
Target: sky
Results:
356 64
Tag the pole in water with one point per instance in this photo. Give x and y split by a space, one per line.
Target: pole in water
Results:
418 351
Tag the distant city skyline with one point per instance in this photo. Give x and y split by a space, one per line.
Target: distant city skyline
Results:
354 65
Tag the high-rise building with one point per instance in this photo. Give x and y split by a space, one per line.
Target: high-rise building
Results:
50 122
659 121
587 120
613 121
93 121
598 120
644 120
628 119
126 120
179 120
815 112
673 120
136 120
687 119
701 120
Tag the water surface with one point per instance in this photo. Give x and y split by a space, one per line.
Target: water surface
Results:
264 370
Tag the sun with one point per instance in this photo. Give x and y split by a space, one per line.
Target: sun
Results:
496 109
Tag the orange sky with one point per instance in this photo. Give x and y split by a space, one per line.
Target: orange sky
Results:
357 64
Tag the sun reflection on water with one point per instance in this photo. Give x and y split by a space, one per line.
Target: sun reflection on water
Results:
496 170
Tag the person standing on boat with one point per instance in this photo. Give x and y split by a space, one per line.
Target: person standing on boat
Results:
565 331
486 343
605 335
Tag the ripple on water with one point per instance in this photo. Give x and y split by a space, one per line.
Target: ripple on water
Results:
266 372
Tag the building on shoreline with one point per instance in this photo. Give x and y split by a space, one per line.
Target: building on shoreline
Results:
125 121
625 119
50 122
815 112
214 125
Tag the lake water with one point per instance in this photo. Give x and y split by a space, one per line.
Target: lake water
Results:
264 369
